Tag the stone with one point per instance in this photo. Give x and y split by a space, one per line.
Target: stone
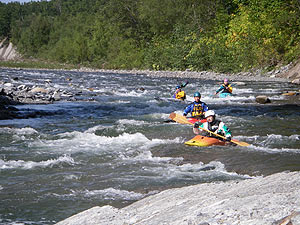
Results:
238 83
296 81
55 96
262 99
261 200
39 89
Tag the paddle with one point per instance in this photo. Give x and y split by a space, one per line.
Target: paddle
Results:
179 119
183 120
184 84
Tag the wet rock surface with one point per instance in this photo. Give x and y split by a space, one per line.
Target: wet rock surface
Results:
262 99
270 200
12 94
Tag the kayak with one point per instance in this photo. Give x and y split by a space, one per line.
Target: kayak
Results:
225 95
203 141
194 120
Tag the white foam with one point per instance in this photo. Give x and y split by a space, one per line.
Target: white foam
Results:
112 194
147 156
105 194
264 143
119 102
294 137
125 93
275 150
131 122
78 141
71 177
18 131
98 127
197 171
20 164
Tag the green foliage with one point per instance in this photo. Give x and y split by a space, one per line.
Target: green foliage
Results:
219 35
35 37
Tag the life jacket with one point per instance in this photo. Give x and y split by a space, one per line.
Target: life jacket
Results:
180 95
214 125
229 90
217 127
197 110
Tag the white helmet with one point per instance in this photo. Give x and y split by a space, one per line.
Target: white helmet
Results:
210 113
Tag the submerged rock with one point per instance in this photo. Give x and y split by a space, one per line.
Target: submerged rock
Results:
262 99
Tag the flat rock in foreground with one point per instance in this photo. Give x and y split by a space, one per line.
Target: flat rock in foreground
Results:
273 199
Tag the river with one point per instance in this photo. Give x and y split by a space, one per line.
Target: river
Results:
113 146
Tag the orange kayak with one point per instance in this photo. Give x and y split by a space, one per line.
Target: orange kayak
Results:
203 141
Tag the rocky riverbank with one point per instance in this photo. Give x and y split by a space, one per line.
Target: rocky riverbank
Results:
273 200
15 92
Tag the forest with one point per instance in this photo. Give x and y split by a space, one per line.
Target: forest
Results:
197 35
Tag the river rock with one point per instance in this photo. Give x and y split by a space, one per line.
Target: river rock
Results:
269 200
55 96
39 89
262 99
238 83
5 100
296 81
8 112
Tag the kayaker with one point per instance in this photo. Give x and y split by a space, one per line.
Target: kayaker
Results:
179 93
197 108
213 125
226 87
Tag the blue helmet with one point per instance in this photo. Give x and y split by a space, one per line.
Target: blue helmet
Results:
197 94
177 87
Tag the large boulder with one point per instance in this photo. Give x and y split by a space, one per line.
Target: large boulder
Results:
270 200
296 81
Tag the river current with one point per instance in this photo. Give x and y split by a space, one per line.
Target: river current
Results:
113 144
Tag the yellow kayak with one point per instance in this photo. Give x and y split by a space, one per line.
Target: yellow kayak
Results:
203 141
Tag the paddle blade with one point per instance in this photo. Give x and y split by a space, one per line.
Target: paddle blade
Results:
179 119
184 84
240 143
172 116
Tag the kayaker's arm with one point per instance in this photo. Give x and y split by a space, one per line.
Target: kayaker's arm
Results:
188 109
205 107
225 130
196 129
220 89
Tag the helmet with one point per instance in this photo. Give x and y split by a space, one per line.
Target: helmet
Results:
177 87
225 80
197 94
210 113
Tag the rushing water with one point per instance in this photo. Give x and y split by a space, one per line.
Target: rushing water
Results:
112 146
